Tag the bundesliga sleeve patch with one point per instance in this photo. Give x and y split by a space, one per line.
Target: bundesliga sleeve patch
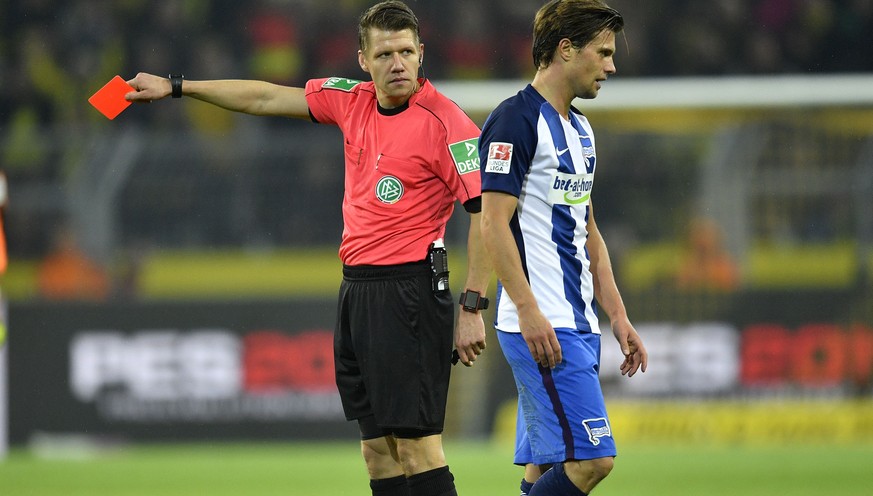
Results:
343 84
499 158
466 155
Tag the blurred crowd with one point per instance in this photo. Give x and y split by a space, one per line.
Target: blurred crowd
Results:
53 55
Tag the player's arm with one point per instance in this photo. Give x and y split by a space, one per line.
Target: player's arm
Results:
238 95
607 294
497 210
470 331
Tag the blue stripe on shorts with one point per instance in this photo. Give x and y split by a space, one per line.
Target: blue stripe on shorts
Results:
561 412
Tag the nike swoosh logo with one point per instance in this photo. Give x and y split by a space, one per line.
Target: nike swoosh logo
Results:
561 152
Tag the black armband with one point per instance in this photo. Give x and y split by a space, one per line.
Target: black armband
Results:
473 205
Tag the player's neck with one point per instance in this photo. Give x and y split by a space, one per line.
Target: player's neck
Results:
553 90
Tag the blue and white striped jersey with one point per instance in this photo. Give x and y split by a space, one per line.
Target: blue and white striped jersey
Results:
529 151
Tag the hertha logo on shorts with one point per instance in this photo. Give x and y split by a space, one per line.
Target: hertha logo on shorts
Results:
597 428
499 158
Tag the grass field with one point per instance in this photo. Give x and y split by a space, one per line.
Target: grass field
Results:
481 469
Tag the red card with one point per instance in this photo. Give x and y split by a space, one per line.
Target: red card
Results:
109 99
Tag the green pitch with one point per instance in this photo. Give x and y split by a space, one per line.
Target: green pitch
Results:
480 470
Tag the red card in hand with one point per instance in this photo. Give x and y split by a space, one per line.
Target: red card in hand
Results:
109 99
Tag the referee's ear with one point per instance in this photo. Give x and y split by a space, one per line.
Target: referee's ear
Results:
362 61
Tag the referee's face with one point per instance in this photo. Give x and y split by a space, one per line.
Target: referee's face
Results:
392 58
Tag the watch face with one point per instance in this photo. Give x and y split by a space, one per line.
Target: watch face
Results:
470 300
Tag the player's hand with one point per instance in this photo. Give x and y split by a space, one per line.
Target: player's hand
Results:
540 338
148 87
635 355
469 337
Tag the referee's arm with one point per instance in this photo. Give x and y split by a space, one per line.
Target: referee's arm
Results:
470 331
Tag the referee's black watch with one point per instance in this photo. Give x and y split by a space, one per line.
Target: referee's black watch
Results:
473 301
176 85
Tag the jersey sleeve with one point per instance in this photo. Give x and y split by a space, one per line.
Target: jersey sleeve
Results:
506 149
459 158
328 98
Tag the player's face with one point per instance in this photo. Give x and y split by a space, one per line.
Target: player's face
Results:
392 58
593 64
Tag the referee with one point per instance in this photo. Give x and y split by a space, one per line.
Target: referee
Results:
410 153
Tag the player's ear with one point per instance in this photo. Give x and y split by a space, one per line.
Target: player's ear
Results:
564 50
362 61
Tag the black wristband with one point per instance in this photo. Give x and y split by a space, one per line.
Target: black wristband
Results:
473 301
176 85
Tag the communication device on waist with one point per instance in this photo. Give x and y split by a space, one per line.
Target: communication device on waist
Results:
439 265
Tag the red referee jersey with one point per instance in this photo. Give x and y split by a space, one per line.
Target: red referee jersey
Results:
404 168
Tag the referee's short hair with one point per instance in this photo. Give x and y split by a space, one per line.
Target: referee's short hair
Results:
577 20
391 15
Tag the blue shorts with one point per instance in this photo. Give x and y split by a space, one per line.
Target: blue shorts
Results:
561 412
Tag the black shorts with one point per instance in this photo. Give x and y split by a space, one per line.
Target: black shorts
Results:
393 347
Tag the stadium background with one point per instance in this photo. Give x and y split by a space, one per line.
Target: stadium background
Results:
215 234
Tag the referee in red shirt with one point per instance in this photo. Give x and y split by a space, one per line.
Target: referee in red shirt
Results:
409 154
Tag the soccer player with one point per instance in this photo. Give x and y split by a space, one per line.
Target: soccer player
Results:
409 154
538 163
